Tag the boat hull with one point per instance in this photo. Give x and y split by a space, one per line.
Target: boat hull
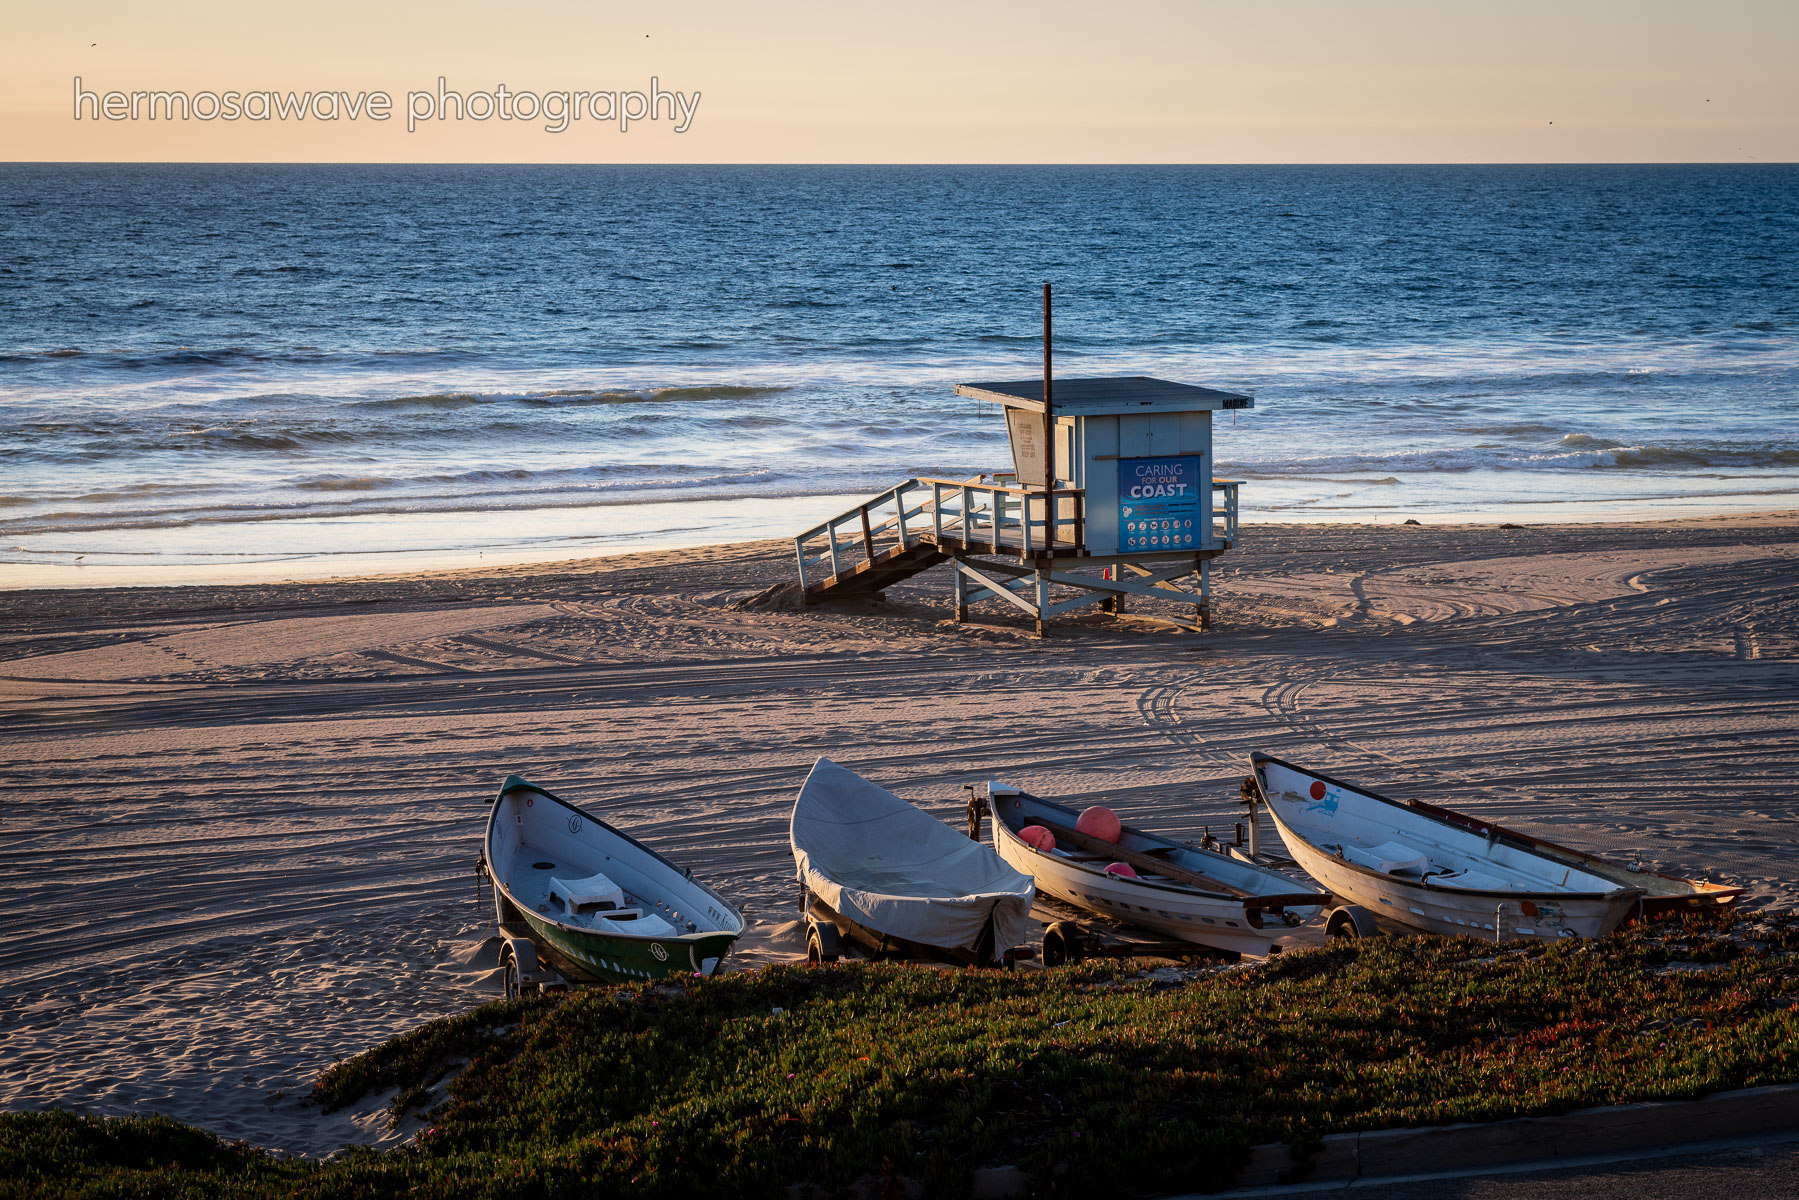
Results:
620 960
1219 925
1221 922
1415 908
534 837
1514 888
900 873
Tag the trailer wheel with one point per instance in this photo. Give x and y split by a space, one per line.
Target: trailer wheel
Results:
1061 944
823 945
518 967
1351 923
508 975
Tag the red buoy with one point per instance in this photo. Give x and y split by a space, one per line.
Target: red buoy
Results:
1100 822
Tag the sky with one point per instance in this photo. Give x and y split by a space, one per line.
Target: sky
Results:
926 81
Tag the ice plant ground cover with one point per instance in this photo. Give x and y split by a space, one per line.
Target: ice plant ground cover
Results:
1142 1080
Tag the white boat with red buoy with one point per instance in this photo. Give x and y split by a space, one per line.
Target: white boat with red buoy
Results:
1420 867
1094 862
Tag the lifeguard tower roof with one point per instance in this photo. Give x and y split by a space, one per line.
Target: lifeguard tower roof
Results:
1106 396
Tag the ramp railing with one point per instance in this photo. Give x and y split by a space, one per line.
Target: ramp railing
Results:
969 515
1227 513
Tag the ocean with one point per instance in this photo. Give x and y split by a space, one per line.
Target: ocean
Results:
236 372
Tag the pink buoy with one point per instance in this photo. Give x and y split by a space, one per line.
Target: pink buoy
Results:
1100 822
1122 870
1038 836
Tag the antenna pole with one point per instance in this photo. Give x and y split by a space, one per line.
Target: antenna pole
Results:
1049 435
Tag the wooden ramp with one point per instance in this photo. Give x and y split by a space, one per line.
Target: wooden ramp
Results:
888 566
922 522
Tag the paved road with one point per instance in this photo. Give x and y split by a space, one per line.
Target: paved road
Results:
1761 1172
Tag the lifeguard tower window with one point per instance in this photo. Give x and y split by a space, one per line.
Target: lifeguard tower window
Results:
1129 494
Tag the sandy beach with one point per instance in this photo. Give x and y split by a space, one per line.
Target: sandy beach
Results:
243 821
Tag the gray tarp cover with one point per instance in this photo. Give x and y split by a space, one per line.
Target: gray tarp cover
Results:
884 864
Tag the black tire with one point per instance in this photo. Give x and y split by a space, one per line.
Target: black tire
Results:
1351 923
1061 944
823 945
509 986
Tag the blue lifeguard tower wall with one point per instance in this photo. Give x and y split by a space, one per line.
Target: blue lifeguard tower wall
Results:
1147 475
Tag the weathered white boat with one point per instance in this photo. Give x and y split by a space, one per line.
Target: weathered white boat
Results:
1193 894
1426 868
894 877
599 901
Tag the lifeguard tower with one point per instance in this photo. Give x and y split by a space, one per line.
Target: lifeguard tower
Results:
1110 495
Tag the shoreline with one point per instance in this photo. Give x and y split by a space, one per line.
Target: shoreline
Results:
257 808
276 569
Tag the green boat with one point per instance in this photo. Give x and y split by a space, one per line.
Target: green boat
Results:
592 900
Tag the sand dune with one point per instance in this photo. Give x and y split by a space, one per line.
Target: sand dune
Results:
242 823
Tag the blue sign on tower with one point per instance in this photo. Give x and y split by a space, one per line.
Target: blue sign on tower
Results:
1159 503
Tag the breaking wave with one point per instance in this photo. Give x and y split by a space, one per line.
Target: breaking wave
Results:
1575 452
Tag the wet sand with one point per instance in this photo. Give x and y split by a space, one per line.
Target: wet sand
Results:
241 824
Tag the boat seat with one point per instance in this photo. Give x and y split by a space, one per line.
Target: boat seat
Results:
1474 881
631 920
595 891
1390 858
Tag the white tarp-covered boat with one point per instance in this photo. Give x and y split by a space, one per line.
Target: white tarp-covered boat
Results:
1427 868
892 869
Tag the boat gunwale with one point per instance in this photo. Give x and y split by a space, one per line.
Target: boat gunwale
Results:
1287 899
1424 885
493 874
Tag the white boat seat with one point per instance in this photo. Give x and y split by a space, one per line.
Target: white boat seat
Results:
595 891
1389 858
630 920
1474 881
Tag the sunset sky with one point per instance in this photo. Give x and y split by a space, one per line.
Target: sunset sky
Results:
1044 81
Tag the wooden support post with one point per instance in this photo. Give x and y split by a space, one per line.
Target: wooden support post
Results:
1114 602
937 511
1205 594
1042 597
868 537
961 591
831 532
